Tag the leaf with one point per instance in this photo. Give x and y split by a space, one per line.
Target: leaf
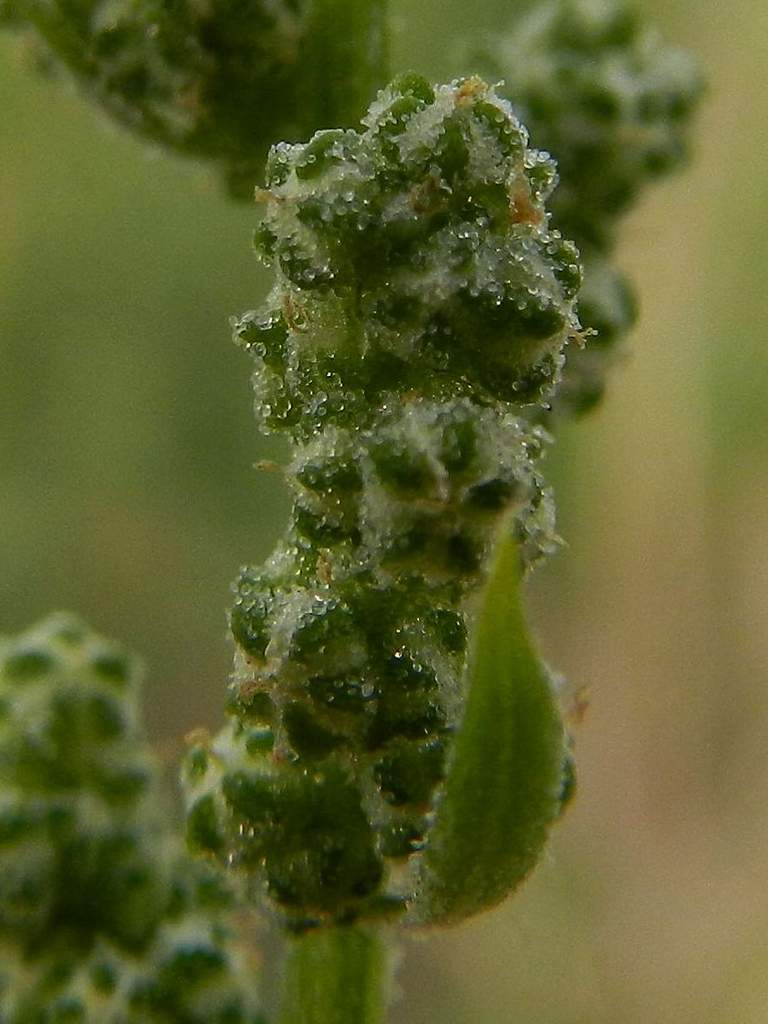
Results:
505 780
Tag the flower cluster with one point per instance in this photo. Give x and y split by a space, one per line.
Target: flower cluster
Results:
221 80
612 103
422 301
102 920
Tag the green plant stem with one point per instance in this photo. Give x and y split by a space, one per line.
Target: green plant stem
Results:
336 976
337 30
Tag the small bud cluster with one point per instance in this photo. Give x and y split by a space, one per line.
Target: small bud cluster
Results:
99 921
421 302
612 103
219 80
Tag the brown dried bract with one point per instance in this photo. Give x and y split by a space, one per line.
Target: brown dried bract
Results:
426 196
522 209
469 89
293 315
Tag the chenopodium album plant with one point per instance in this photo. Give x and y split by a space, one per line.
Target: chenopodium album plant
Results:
420 299
394 752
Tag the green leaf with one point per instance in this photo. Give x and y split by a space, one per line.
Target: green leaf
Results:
505 779
335 976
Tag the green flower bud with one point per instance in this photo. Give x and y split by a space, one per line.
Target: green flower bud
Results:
421 303
416 255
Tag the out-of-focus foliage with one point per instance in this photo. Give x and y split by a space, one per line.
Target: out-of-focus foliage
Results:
102 919
126 440
598 88
221 80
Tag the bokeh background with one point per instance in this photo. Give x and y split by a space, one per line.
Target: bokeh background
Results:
128 493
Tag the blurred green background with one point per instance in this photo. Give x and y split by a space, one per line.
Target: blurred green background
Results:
129 494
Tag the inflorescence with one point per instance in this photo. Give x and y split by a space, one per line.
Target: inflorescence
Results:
220 81
601 91
435 280
422 300
103 920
